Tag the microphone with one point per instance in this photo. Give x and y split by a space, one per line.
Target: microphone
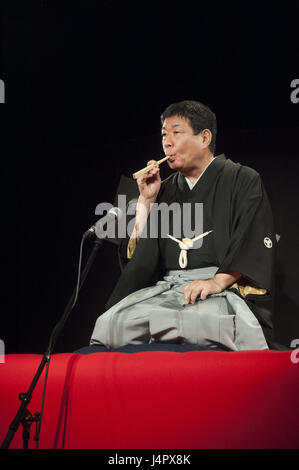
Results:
113 215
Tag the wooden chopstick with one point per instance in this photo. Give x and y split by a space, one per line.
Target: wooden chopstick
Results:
148 168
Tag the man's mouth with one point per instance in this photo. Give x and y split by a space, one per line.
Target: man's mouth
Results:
171 158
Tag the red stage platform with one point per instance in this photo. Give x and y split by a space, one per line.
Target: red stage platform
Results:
158 399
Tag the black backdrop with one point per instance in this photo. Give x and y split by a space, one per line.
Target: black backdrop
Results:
85 83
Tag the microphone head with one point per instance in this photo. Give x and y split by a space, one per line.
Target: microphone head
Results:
116 212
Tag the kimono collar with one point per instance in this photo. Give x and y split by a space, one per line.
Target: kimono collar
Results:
209 173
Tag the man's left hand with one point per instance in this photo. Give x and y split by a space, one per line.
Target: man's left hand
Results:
212 286
202 289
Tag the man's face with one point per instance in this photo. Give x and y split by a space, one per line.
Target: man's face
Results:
185 150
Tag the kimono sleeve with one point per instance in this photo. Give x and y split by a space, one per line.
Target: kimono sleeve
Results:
252 240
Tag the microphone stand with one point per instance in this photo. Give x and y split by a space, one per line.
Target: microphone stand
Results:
23 415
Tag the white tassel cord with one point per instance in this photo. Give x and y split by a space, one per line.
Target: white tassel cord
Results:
185 244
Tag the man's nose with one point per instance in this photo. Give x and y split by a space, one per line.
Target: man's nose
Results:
168 142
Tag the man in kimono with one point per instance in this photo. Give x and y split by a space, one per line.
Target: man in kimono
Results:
216 288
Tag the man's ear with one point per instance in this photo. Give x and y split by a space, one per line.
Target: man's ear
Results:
206 137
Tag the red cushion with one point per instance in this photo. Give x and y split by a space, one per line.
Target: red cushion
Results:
184 400
158 400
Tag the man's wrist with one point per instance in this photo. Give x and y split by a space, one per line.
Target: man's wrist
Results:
225 280
146 201
143 209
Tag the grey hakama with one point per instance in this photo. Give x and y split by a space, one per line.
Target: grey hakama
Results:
159 313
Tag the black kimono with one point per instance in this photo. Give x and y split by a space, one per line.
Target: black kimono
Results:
237 210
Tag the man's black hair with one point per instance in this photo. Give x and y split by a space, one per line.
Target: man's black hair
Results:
199 115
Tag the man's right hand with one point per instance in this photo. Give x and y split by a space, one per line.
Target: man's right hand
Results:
149 183
149 186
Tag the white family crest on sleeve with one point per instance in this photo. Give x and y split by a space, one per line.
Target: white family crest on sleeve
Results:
268 242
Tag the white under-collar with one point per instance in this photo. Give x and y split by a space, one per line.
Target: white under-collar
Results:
191 185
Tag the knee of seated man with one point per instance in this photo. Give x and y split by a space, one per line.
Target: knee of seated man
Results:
211 306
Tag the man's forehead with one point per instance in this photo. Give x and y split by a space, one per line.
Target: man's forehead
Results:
175 121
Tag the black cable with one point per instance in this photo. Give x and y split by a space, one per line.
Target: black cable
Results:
62 321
